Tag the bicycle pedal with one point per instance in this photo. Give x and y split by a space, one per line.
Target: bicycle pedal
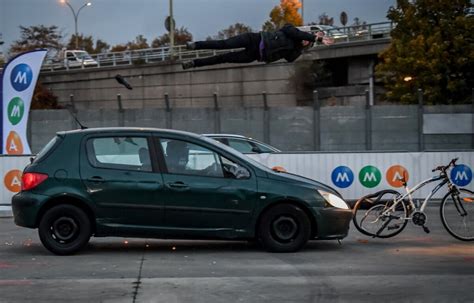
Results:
426 229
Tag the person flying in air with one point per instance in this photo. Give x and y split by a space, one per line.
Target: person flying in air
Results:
287 43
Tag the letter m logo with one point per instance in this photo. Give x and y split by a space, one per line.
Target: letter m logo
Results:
342 177
20 78
461 175
16 111
370 177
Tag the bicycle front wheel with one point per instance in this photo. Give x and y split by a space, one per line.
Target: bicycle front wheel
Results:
373 215
457 214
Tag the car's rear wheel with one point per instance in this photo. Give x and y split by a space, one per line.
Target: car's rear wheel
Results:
64 229
284 228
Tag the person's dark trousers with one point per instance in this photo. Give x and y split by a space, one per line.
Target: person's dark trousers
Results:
249 41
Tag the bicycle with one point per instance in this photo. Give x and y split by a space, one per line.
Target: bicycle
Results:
386 213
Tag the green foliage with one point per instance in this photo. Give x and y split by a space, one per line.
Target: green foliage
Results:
433 44
44 98
181 36
37 36
324 19
232 31
87 43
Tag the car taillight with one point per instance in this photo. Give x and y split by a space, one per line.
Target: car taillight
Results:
31 180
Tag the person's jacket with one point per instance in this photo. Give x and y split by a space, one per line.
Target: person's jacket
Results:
284 43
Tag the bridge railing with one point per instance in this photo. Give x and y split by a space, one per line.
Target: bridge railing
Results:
345 34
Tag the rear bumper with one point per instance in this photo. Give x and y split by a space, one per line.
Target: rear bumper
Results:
332 223
25 207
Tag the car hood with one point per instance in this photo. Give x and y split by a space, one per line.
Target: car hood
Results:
288 177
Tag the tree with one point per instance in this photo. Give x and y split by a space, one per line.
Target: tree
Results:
139 43
85 43
38 36
232 31
100 47
44 98
119 48
286 12
325 20
181 36
432 47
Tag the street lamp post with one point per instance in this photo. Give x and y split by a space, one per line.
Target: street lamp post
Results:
76 16
171 28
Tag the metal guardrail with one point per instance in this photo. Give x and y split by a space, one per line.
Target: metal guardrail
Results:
346 34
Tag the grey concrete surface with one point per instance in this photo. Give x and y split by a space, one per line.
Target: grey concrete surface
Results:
341 128
411 267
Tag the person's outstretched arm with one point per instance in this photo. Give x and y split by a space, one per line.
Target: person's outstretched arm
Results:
295 34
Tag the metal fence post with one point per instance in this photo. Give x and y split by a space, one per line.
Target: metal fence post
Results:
266 119
421 138
217 116
73 104
472 118
316 121
121 110
368 121
168 112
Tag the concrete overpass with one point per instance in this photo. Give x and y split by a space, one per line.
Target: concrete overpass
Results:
165 83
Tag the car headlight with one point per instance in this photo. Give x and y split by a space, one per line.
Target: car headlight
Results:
333 200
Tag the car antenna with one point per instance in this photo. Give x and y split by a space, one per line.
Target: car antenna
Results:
75 117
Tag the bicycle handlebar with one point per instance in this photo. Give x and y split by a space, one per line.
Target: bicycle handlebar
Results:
444 168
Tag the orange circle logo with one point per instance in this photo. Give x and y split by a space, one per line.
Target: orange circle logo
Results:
13 146
395 173
12 180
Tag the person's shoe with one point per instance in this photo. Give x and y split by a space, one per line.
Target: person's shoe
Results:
190 45
187 65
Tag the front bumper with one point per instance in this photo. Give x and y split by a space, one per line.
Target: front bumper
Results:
25 207
332 223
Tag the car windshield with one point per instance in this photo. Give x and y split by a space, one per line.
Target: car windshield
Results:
82 55
237 154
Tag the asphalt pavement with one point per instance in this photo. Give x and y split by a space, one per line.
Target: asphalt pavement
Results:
411 267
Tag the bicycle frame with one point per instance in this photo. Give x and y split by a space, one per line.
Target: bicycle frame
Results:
409 193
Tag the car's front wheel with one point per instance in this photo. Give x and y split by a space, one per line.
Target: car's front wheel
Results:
284 228
64 229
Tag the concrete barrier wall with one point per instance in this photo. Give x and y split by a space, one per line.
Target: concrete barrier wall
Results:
335 128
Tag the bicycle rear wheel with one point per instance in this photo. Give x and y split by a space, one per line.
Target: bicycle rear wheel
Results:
457 214
371 218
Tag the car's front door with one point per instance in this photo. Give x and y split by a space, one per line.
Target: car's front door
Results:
203 190
122 180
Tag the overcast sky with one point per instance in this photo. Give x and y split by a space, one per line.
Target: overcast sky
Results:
119 21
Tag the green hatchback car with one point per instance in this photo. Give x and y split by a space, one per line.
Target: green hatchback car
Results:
154 183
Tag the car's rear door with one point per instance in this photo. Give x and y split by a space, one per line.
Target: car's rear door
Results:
122 179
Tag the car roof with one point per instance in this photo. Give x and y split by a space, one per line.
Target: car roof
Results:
128 129
226 135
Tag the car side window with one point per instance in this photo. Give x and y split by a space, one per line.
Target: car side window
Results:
186 158
263 148
128 153
241 145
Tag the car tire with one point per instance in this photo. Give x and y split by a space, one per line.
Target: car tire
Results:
284 228
64 229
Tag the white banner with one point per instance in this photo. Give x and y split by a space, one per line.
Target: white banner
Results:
18 84
358 174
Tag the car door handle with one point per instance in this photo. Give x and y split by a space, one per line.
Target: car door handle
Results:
177 185
96 179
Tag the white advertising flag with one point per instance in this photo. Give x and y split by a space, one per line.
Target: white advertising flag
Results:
17 87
